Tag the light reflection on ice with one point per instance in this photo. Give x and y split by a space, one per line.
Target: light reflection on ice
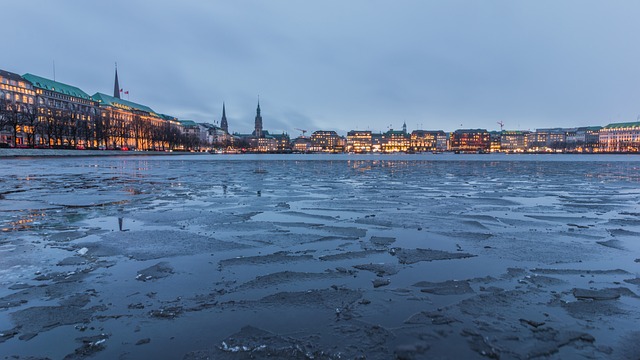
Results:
282 242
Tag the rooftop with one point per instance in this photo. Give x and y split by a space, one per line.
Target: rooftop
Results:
471 131
11 76
104 99
188 123
635 124
61 88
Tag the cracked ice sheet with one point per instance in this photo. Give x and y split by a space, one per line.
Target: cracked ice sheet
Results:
309 233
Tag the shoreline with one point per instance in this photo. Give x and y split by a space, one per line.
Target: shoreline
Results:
10 153
16 153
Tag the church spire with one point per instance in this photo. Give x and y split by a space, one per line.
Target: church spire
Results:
116 86
223 122
258 124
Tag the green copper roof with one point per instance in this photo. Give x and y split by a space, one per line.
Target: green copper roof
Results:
104 99
168 117
189 123
42 83
623 125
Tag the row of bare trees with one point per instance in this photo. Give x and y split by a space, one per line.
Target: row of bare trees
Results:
76 126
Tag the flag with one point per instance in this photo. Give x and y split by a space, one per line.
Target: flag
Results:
120 90
126 92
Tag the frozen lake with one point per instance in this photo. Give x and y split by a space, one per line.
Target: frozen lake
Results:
320 256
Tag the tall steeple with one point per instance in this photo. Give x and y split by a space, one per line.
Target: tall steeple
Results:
404 127
258 131
223 122
116 86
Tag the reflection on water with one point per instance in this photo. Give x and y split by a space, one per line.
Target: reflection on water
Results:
411 256
25 221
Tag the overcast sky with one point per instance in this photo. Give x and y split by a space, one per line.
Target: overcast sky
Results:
343 64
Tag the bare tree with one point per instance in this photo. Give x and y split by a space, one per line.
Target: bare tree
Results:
30 123
4 112
13 119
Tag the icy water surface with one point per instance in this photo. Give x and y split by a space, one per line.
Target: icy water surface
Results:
320 257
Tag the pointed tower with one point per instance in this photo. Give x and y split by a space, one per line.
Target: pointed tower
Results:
258 131
404 127
223 122
116 86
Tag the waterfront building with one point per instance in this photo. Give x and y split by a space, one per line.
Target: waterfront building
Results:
214 135
65 114
620 137
359 141
396 141
495 141
423 140
190 131
283 142
548 139
326 141
470 140
265 144
301 144
205 137
17 99
242 141
190 128
128 125
442 141
513 140
377 139
583 139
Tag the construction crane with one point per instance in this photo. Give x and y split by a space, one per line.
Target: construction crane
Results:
501 123
302 131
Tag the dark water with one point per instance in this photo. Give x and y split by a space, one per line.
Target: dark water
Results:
322 256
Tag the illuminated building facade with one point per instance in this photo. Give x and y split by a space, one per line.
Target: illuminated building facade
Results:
301 144
620 137
128 125
423 140
359 141
396 141
495 141
377 139
470 140
265 144
327 141
513 141
66 114
283 142
548 139
17 99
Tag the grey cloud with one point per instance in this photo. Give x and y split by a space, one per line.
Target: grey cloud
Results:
344 65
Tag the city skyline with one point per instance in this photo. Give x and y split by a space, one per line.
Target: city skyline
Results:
362 65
